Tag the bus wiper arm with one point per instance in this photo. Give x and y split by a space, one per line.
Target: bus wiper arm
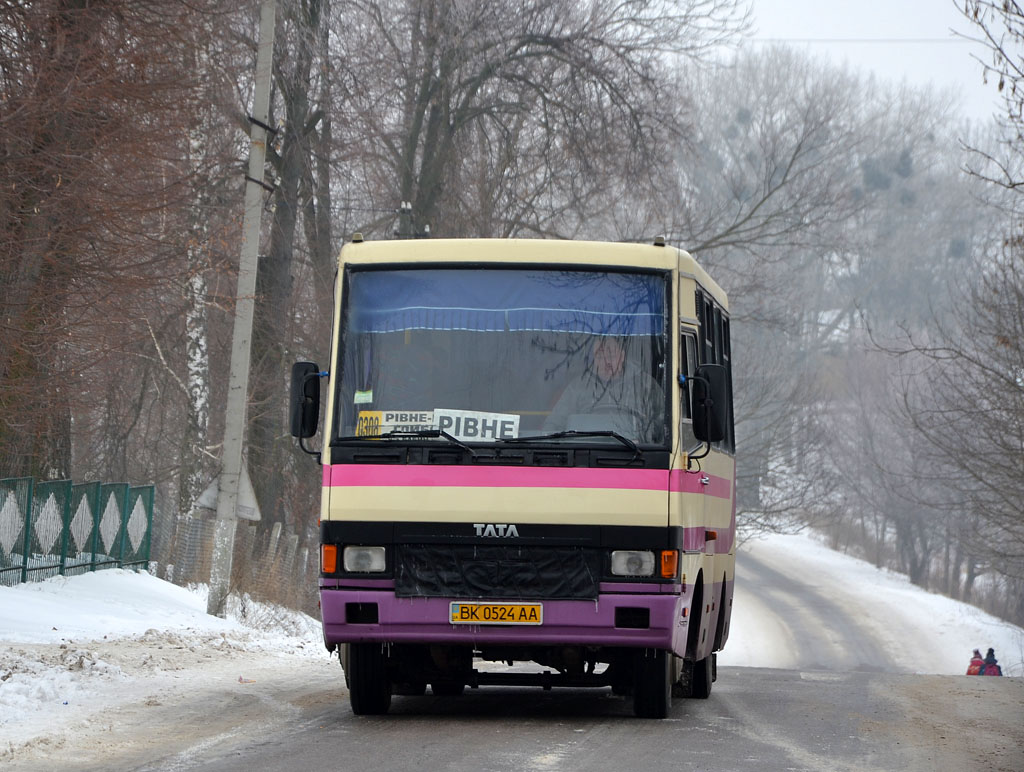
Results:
417 433
637 453
432 433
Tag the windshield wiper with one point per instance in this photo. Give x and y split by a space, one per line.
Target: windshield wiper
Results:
429 433
637 453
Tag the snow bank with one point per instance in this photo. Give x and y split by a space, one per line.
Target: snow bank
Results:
105 604
71 645
923 632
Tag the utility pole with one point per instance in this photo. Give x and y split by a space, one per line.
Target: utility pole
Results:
241 339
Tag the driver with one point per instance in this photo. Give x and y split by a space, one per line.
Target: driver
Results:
609 386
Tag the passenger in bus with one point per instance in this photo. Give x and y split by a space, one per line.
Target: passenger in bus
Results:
610 394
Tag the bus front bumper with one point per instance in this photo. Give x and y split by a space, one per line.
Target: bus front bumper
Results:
653 618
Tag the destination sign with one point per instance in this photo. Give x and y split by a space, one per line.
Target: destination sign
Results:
468 425
461 424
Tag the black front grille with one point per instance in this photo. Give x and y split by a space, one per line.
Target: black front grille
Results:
498 571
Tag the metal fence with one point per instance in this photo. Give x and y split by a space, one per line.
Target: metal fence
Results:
270 566
59 528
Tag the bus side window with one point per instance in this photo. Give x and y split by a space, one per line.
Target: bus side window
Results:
713 347
687 366
730 436
707 326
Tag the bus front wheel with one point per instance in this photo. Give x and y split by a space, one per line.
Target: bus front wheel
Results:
369 684
652 683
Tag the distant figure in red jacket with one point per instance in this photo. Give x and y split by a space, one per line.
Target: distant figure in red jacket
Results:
991 665
977 666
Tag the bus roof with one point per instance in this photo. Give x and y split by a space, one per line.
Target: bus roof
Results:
530 251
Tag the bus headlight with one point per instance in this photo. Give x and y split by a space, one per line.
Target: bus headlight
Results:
632 563
361 559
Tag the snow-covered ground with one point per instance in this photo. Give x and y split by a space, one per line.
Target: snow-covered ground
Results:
918 631
71 647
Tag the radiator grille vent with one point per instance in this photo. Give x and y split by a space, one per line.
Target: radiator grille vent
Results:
473 571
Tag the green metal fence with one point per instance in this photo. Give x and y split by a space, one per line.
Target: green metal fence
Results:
58 528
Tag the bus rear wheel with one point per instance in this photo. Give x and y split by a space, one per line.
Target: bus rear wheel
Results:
701 676
369 685
652 683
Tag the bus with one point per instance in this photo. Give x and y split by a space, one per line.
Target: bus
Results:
528 469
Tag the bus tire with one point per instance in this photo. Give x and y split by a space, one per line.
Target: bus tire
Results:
702 678
652 683
369 685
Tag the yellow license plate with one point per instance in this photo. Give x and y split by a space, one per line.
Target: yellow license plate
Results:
495 613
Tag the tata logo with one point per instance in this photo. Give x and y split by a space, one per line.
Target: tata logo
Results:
496 530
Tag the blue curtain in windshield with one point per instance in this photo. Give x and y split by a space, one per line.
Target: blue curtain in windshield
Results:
485 300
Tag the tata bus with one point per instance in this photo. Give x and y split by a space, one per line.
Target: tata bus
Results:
528 469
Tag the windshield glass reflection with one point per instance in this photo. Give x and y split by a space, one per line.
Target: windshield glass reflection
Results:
489 354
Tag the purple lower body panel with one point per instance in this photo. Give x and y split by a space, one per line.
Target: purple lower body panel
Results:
373 614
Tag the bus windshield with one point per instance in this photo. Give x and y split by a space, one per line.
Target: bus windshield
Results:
488 354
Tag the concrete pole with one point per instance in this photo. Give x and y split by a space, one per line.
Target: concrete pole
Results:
241 340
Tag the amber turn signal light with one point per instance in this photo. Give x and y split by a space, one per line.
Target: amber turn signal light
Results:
669 563
328 558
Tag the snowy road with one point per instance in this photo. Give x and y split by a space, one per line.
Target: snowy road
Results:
758 720
799 605
827 668
762 720
821 633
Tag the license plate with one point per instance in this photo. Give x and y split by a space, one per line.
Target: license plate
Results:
495 613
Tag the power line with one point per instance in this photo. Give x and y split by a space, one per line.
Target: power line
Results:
884 41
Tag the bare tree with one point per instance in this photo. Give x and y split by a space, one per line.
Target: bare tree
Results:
209 163
1000 28
89 93
823 202
520 102
969 408
963 382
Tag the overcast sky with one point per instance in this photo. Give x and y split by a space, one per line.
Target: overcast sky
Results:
898 39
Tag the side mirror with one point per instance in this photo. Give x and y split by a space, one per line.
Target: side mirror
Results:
710 403
305 399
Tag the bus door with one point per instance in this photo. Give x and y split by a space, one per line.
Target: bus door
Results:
692 485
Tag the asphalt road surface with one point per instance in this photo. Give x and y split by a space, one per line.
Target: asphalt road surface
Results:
844 708
758 720
825 634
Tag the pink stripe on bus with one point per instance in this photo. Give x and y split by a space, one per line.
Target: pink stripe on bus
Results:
386 475
690 482
493 477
